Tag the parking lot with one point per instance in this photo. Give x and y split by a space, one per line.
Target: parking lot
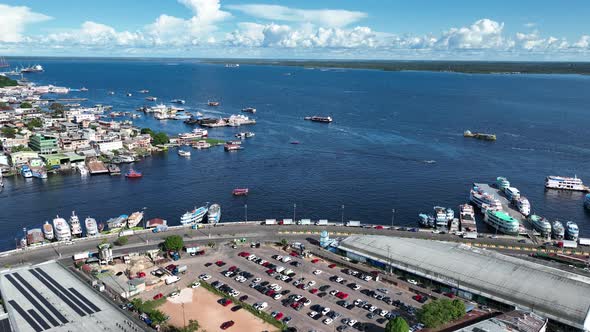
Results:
331 293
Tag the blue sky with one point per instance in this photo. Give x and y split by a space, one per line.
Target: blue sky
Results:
421 29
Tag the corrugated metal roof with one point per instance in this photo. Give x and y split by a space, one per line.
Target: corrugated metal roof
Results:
557 294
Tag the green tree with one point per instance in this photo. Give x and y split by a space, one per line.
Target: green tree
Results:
35 123
157 316
58 109
458 309
20 148
284 242
398 324
441 311
137 303
211 244
121 241
146 131
160 138
26 105
8 132
174 243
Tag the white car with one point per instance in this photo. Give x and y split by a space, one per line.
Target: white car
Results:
261 262
286 259
204 277
356 287
235 293
251 257
306 303
277 296
413 282
279 257
298 297
333 292
311 283
262 306
368 278
173 295
325 311
338 279
383 313
316 272
196 284
328 321
435 231
257 280
352 322
276 287
312 314
372 308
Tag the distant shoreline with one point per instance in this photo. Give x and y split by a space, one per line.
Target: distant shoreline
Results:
454 66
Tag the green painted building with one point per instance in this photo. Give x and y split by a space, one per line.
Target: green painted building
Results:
43 144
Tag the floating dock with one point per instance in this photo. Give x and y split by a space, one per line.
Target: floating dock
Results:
97 167
510 209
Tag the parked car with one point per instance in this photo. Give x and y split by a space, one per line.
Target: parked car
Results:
158 296
227 325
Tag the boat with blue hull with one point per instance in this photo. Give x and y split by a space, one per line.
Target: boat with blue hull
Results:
214 214
25 171
571 231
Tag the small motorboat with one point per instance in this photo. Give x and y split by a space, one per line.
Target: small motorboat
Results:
129 94
240 192
83 89
213 103
133 174
184 153
178 101
294 142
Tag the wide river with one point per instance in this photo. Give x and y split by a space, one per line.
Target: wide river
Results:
396 143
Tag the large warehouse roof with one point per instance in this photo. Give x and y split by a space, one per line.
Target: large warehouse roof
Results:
556 294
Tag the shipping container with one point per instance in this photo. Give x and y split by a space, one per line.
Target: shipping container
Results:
270 222
82 255
322 222
353 223
126 232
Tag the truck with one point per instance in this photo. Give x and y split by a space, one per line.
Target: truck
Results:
160 228
179 269
270 222
470 235
82 255
322 222
305 222
126 232
172 279
287 222
567 244
353 223
174 255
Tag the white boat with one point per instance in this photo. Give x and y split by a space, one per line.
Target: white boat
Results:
194 216
501 221
48 231
32 69
91 226
502 183
178 101
587 201
75 225
184 153
481 198
151 98
467 218
564 183
541 225
557 230
524 206
134 219
62 229
161 116
249 110
442 216
571 231
214 214
512 194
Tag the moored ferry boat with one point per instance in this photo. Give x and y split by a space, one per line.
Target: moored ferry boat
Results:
195 216
118 222
587 201
479 197
502 183
501 221
442 216
467 218
541 225
62 229
34 236
426 220
91 226
48 231
557 230
571 231
564 183
75 226
214 214
512 194
134 219
524 206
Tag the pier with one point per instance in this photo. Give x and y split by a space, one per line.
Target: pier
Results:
510 209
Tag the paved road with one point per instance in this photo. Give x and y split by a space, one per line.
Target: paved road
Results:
253 232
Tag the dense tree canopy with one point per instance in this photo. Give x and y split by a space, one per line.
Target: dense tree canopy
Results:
174 243
398 324
441 311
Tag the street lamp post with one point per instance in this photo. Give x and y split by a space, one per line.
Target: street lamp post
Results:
342 215
294 208
245 212
144 218
392 217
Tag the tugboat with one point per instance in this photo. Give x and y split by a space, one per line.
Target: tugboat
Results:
315 118
213 103
133 174
249 110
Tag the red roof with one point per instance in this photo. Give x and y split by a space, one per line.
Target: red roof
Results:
155 222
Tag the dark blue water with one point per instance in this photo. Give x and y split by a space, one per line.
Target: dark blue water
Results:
370 159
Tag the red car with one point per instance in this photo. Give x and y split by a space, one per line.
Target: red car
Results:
315 260
294 254
170 267
232 269
378 227
226 302
450 295
296 305
227 325
270 271
279 316
265 264
341 295
141 274
332 266
220 263
158 296
314 291
244 254
270 292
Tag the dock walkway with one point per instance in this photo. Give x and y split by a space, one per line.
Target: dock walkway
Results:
510 209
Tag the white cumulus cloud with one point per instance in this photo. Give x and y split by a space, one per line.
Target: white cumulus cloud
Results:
483 34
322 17
14 19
